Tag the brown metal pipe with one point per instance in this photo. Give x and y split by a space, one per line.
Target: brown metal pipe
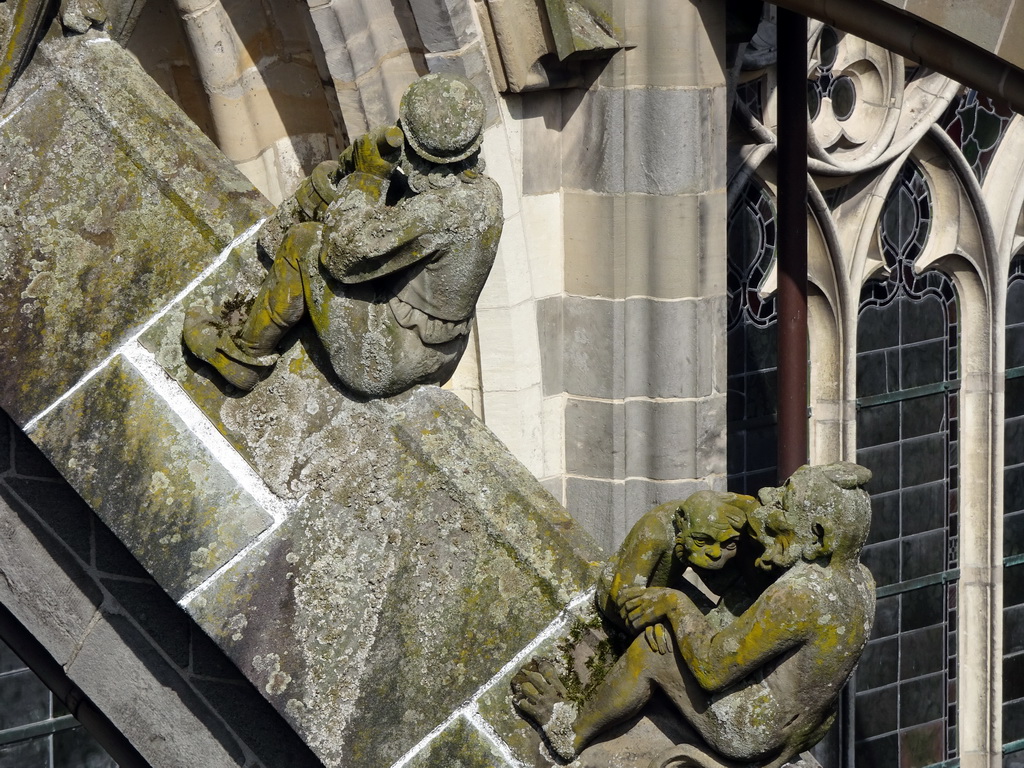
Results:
52 674
792 253
885 24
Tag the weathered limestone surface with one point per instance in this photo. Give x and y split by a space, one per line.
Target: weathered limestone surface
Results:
100 225
462 745
369 566
414 560
152 481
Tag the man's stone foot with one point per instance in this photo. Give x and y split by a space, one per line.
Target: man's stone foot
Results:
538 693
214 346
690 756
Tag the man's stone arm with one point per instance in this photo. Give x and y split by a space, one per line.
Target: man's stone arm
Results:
779 620
377 241
647 545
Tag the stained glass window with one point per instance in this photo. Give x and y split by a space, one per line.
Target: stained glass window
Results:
907 393
977 124
35 730
1013 524
752 450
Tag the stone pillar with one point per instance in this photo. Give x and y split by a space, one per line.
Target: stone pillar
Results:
633 347
268 109
373 52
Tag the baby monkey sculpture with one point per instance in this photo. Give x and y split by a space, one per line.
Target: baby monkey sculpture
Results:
386 251
755 677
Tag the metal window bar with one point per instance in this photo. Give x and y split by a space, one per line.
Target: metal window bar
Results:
945 577
753 423
1013 746
42 728
953 385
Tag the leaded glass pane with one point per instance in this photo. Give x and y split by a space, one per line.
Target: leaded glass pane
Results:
76 748
9 661
906 219
25 702
1013 522
34 753
977 124
1015 324
23 699
752 358
751 95
907 353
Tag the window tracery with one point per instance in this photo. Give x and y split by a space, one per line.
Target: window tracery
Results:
913 262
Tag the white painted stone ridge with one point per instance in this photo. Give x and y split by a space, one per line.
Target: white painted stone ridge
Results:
218 446
470 711
134 338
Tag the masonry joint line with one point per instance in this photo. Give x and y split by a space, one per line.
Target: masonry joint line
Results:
469 709
221 258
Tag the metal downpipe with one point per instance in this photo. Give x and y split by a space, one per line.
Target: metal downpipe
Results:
53 676
792 252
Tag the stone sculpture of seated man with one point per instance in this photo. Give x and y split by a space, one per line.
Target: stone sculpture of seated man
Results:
386 258
763 688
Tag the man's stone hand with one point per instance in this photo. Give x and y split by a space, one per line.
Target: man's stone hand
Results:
648 606
367 157
657 638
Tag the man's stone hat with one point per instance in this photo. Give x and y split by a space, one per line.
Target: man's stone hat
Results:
442 116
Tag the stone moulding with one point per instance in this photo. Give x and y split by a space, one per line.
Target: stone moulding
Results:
541 44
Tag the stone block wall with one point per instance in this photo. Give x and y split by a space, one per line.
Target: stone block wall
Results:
373 51
631 334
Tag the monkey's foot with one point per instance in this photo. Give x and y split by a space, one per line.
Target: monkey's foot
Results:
539 694
215 346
